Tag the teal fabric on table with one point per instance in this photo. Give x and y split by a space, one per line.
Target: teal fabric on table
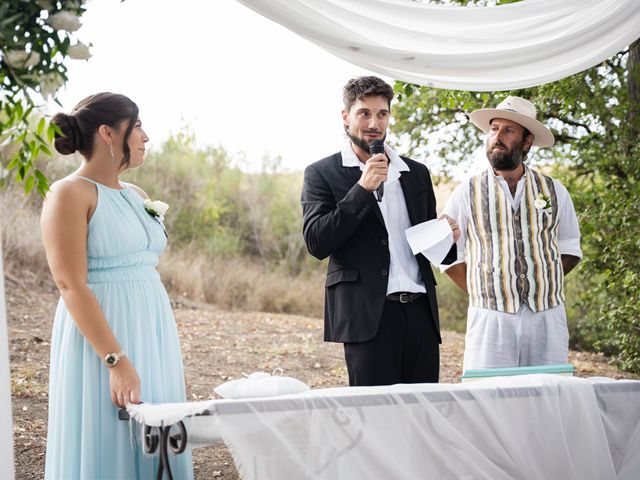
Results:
85 438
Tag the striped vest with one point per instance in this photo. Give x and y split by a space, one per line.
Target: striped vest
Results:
512 256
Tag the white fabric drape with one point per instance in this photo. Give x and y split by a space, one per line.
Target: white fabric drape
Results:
533 426
465 48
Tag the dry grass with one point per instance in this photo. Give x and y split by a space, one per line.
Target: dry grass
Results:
20 225
232 283
27 381
236 283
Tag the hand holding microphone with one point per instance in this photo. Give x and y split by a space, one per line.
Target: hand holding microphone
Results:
377 146
375 171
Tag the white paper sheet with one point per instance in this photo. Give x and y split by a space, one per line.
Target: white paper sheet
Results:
433 239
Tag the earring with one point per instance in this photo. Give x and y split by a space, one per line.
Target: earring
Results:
113 157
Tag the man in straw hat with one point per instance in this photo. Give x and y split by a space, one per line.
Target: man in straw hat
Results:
519 238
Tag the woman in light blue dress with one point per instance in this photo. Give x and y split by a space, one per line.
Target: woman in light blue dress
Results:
114 337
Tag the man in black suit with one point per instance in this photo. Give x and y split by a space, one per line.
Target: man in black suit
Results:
380 299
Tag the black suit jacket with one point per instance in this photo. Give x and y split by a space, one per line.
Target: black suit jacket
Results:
343 221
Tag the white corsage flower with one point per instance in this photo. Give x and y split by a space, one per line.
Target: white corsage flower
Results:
64 21
79 51
542 202
21 59
156 208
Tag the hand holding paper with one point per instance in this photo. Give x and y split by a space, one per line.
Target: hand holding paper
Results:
433 239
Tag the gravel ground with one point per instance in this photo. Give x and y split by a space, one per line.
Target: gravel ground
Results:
217 346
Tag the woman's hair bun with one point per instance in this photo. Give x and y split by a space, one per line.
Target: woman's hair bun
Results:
78 129
71 138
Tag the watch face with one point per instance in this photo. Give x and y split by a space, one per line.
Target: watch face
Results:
111 359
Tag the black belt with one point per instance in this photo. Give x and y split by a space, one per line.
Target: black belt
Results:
405 297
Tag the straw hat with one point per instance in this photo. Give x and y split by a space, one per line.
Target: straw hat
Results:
517 110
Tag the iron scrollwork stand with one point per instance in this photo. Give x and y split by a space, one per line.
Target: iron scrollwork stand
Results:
163 438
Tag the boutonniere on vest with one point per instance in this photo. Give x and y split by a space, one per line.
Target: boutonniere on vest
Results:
542 202
156 208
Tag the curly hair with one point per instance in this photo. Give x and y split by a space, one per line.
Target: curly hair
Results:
360 87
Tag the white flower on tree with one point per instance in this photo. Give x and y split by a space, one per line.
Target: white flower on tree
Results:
21 59
32 60
45 5
79 51
64 21
50 83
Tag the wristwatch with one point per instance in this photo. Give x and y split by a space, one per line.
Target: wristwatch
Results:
112 359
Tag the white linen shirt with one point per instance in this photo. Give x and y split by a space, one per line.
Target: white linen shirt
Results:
482 323
458 207
404 273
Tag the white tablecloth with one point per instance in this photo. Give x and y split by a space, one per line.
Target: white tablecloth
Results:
533 427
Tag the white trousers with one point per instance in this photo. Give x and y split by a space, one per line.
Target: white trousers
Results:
498 339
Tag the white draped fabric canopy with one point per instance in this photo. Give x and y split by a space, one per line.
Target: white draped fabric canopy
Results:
464 48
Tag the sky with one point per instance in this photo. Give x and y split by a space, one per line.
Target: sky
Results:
236 79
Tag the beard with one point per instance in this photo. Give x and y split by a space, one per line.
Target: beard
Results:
361 142
506 159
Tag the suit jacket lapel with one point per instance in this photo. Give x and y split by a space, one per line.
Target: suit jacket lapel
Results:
353 174
378 212
409 189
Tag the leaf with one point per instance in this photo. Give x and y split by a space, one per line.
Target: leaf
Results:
40 139
20 173
41 125
13 163
10 21
41 176
46 150
28 185
51 132
42 189
56 129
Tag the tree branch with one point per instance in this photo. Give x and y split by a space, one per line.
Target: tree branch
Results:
568 121
560 138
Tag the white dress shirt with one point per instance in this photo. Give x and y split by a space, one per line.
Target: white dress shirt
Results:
404 273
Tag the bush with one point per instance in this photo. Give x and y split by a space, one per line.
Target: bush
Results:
452 304
235 239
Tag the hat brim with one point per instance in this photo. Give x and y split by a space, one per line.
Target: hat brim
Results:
542 136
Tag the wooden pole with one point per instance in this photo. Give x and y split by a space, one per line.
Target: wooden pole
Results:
6 423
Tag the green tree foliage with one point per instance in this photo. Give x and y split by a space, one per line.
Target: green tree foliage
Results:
35 39
220 210
595 118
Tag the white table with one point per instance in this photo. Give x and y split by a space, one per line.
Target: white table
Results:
533 426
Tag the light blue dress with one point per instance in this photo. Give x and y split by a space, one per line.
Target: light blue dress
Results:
85 438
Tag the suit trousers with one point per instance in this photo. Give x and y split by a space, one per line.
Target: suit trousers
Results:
405 349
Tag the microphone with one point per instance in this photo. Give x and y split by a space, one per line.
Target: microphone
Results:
377 146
